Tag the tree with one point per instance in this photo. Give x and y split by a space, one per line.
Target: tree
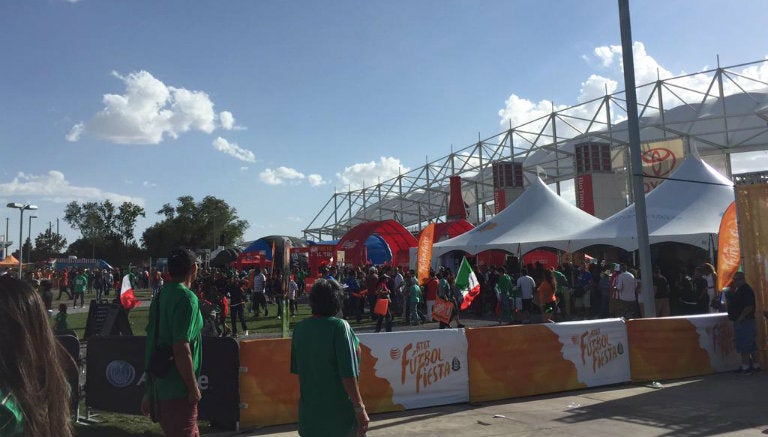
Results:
125 221
26 250
48 244
104 226
194 225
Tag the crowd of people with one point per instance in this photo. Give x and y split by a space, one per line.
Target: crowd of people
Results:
203 299
517 294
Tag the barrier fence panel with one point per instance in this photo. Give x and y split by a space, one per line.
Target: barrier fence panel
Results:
398 371
414 369
72 368
219 382
680 347
515 361
268 390
115 377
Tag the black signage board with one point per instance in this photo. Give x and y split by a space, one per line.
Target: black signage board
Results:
115 377
106 319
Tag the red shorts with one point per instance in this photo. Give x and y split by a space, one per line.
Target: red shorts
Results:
178 418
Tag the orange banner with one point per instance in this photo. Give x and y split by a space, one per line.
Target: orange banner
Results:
728 251
424 255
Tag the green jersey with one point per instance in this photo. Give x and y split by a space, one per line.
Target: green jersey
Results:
415 293
561 282
61 321
11 417
180 319
504 284
80 282
323 351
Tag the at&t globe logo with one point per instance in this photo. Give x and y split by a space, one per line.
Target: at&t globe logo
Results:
120 373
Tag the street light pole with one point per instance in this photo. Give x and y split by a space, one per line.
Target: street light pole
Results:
21 207
29 237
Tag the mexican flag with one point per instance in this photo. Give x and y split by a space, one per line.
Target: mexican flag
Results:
466 283
127 298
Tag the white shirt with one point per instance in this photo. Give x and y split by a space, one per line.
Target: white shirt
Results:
398 281
626 285
526 284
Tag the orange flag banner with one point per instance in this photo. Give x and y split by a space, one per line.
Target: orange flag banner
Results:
728 250
424 255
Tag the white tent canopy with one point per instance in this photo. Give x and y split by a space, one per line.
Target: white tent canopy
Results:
686 208
538 215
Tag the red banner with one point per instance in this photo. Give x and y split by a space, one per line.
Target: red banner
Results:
585 198
499 200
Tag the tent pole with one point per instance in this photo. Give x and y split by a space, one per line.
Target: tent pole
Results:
646 291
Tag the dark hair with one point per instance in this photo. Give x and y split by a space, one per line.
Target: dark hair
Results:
31 362
325 297
180 263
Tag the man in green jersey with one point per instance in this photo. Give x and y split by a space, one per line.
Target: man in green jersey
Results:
80 283
180 325
325 355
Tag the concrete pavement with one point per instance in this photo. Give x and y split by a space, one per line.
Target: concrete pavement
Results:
725 404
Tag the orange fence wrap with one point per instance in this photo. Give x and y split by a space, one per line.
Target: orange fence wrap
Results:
680 347
398 371
268 390
752 208
514 361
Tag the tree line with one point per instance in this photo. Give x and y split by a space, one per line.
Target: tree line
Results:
107 231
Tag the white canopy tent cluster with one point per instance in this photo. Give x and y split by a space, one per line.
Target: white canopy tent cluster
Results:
686 208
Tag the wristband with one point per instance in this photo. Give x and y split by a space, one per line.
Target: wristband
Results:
358 408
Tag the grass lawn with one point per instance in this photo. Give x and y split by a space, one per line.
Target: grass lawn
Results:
139 316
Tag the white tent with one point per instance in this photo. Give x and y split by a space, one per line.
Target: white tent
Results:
686 208
538 215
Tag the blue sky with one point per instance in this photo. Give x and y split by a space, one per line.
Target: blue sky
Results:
271 105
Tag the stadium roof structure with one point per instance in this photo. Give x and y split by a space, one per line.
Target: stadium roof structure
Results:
719 111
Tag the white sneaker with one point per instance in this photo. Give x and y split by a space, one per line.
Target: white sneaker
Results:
278 318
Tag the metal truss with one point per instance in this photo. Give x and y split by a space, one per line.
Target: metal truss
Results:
719 111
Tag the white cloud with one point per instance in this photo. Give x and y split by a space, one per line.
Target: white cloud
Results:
227 120
370 173
243 169
316 180
54 187
280 175
148 184
150 111
75 133
232 149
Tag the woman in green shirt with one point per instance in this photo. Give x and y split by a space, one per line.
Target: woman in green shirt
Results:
325 356
34 394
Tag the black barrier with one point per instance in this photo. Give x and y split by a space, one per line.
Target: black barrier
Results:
71 368
115 377
106 319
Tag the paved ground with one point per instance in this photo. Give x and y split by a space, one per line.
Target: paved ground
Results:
716 405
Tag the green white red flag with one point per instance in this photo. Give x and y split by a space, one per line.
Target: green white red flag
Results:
127 297
466 283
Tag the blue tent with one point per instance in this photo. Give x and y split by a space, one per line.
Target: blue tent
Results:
377 249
